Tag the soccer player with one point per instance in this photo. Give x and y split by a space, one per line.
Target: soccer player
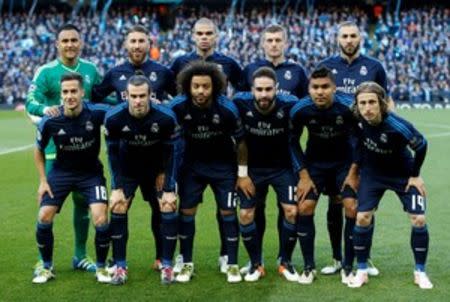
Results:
137 44
291 80
265 118
163 86
212 129
291 77
75 132
325 165
44 99
138 134
386 162
350 68
205 35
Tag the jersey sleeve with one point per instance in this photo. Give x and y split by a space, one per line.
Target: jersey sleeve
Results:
112 137
295 132
102 89
36 96
237 76
417 143
170 86
302 88
174 151
381 78
42 135
235 122
246 85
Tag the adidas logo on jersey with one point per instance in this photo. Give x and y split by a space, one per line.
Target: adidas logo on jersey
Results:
187 117
249 114
123 77
61 132
126 129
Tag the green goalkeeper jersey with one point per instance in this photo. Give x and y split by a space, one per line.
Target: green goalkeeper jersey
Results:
45 89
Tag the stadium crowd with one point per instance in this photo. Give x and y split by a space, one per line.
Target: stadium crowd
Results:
413 48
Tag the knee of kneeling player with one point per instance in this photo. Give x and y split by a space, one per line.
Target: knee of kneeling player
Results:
120 209
45 216
364 219
100 219
306 208
350 210
246 216
290 213
227 212
418 220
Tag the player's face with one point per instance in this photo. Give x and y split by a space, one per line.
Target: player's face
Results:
69 44
138 100
138 46
201 90
274 44
204 36
322 91
349 40
369 107
72 94
264 90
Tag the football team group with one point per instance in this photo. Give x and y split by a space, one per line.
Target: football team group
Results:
206 121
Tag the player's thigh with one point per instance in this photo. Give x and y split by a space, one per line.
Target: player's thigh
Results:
285 183
190 189
61 187
149 193
93 189
370 193
224 193
413 202
99 212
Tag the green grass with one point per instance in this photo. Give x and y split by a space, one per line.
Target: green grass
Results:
391 252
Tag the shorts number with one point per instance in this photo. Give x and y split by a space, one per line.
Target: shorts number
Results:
291 191
417 200
100 193
232 200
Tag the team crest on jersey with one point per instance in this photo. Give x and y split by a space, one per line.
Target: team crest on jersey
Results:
216 119
153 77
383 138
249 114
32 87
280 114
87 78
360 125
339 120
288 75
154 128
334 71
89 126
363 70
187 117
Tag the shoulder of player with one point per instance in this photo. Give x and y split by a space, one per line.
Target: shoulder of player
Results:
243 97
371 61
116 111
164 111
41 70
327 62
287 99
302 105
96 106
152 65
343 99
88 64
228 105
177 101
399 124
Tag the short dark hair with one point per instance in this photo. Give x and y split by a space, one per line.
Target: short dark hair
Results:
322 72
137 28
67 26
264 72
274 28
371 87
139 79
201 68
206 21
70 76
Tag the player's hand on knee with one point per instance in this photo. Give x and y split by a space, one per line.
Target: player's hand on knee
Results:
305 185
352 181
159 183
418 183
52 111
117 199
44 187
245 184
168 202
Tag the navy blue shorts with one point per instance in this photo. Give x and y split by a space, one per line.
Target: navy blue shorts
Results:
193 179
147 184
372 188
92 186
283 182
329 181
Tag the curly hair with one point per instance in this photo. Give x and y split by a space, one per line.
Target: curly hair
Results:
201 68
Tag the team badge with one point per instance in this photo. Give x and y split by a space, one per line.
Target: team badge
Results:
89 126
280 114
339 120
216 119
87 78
249 114
363 70
32 87
360 125
154 128
288 75
383 138
153 77
334 71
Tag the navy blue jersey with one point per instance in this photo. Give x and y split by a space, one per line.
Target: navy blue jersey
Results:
77 139
385 149
115 80
266 135
329 131
210 134
229 66
136 146
362 69
291 77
